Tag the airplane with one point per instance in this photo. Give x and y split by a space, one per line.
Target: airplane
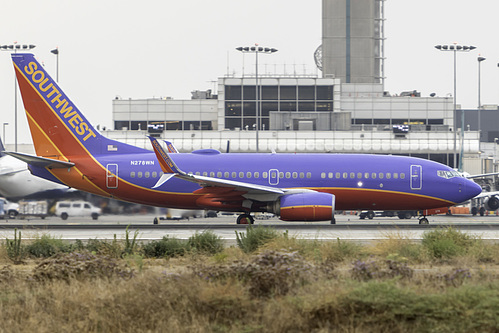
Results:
295 187
16 181
485 201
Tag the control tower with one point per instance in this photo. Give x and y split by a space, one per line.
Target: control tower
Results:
352 40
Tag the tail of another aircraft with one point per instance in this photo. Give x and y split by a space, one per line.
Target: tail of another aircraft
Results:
58 128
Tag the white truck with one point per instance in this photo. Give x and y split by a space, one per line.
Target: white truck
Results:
8 209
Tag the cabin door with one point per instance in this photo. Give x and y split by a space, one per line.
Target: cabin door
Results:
416 177
112 175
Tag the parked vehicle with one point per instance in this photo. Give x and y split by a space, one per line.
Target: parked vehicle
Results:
64 209
29 209
8 209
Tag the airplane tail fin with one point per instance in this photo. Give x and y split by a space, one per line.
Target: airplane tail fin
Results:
58 128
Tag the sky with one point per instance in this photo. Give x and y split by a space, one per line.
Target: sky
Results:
158 48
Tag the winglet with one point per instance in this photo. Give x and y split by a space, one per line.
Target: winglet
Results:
171 148
166 163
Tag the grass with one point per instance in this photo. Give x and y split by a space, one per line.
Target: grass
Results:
285 284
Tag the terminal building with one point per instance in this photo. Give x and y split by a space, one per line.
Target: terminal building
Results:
343 110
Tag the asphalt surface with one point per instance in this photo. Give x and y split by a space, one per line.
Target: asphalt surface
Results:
348 227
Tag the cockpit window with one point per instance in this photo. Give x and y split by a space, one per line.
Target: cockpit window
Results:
448 174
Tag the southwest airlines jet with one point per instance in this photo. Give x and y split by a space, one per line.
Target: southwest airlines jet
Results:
296 187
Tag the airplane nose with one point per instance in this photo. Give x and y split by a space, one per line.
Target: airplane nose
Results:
472 189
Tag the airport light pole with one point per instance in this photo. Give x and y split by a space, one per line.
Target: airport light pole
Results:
257 49
457 48
15 47
4 124
56 52
479 59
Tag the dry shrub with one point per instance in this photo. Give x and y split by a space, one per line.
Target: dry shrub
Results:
267 274
80 266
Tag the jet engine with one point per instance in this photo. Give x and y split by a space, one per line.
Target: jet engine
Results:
491 203
308 206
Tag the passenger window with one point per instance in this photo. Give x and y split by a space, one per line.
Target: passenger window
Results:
198 173
381 175
241 174
366 175
388 175
205 173
212 174
373 175
295 174
226 174
359 175
345 175
352 174
302 175
154 174
402 175
281 174
132 174
395 175
139 174
219 174
288 175
234 174
323 175
309 175
265 174
338 175
330 175
147 174
248 174
257 174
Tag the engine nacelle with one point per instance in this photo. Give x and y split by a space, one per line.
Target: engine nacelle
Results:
310 206
491 203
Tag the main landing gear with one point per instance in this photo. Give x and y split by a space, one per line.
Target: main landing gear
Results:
245 219
424 220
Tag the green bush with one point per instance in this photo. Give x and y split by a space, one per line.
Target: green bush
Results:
46 246
166 247
446 243
255 238
206 242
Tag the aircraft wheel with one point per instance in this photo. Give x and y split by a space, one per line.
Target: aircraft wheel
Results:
424 220
245 219
370 215
474 211
482 211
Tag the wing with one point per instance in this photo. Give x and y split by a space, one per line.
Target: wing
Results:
216 189
486 194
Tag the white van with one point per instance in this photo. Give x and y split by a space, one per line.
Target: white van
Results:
64 209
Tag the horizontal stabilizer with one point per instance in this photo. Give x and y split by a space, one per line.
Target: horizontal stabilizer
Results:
41 161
